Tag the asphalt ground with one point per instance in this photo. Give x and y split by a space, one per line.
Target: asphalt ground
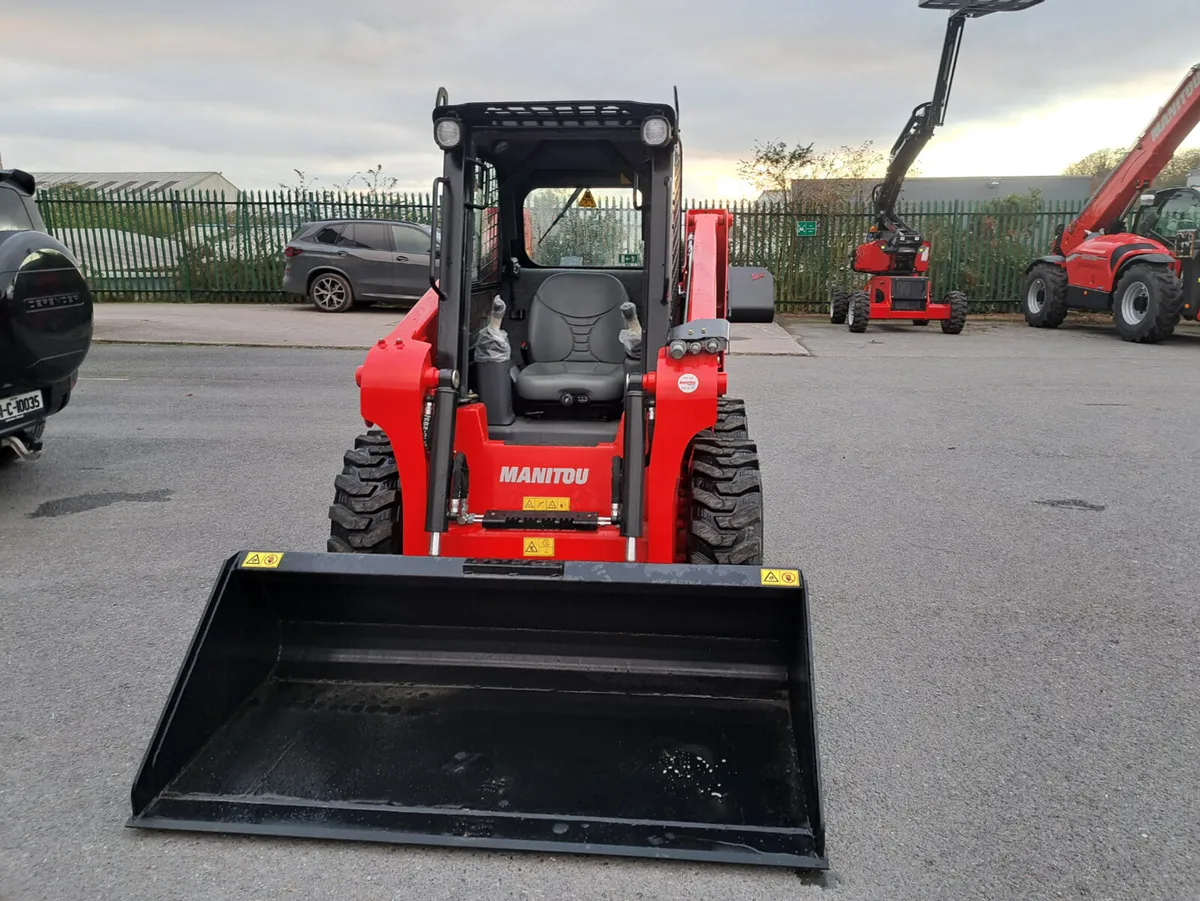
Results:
997 529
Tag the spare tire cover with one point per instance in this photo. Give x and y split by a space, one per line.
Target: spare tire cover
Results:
45 311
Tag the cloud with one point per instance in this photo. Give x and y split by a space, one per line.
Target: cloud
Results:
255 89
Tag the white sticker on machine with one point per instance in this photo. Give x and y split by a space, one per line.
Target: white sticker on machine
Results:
688 383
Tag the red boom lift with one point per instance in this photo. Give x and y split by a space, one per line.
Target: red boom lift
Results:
895 255
1099 263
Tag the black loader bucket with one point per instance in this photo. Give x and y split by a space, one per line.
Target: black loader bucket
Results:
624 709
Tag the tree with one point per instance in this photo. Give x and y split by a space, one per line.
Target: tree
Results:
1099 163
839 176
802 179
304 184
774 166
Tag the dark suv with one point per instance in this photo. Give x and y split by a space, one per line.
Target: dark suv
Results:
45 320
337 263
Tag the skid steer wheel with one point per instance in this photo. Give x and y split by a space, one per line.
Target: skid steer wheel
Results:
725 519
1147 303
365 516
330 293
859 313
731 420
1045 304
958 313
839 305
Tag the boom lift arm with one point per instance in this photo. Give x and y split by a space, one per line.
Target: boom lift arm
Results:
931 114
1150 154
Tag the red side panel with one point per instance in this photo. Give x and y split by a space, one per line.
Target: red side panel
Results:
1093 264
871 258
879 289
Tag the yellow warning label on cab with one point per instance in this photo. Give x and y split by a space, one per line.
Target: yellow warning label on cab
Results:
587 201
546 504
781 578
261 560
538 547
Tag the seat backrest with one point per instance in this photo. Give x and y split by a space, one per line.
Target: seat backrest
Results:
576 317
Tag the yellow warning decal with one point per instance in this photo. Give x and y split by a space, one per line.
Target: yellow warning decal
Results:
625 179
261 560
587 201
781 578
538 547
546 504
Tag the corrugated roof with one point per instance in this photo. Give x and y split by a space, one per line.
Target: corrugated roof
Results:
130 181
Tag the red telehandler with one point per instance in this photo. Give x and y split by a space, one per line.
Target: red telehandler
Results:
896 256
544 620
1140 273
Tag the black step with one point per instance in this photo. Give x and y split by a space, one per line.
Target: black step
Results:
524 519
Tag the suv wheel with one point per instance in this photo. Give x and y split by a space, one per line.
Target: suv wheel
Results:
330 293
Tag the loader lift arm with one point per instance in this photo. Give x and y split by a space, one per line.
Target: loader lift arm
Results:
1149 155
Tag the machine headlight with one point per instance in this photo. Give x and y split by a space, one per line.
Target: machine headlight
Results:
656 131
447 133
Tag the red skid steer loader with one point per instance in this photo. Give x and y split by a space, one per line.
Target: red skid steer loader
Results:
544 620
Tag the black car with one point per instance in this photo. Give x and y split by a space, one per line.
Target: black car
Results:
337 263
45 320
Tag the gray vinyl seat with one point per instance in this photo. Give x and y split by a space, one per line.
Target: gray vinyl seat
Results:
574 339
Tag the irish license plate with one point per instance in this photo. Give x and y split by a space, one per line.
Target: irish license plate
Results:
20 405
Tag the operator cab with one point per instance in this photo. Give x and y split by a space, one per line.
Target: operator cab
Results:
572 219
1164 214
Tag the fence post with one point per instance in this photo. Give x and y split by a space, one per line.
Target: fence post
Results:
177 210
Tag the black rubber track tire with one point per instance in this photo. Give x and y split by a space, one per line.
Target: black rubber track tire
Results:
958 313
365 515
1165 303
731 420
839 304
859 312
726 525
1054 296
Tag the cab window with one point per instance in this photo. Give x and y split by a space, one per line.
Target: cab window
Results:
583 228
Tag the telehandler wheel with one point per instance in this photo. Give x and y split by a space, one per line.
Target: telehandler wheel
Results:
839 305
726 507
859 313
1045 303
958 313
1147 303
365 516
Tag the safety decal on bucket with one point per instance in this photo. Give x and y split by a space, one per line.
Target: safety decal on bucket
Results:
538 547
547 504
261 560
781 578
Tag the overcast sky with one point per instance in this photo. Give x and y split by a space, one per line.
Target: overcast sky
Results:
257 88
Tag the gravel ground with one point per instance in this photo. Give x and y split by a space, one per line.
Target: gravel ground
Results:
996 531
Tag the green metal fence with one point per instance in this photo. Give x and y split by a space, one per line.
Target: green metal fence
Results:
197 246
